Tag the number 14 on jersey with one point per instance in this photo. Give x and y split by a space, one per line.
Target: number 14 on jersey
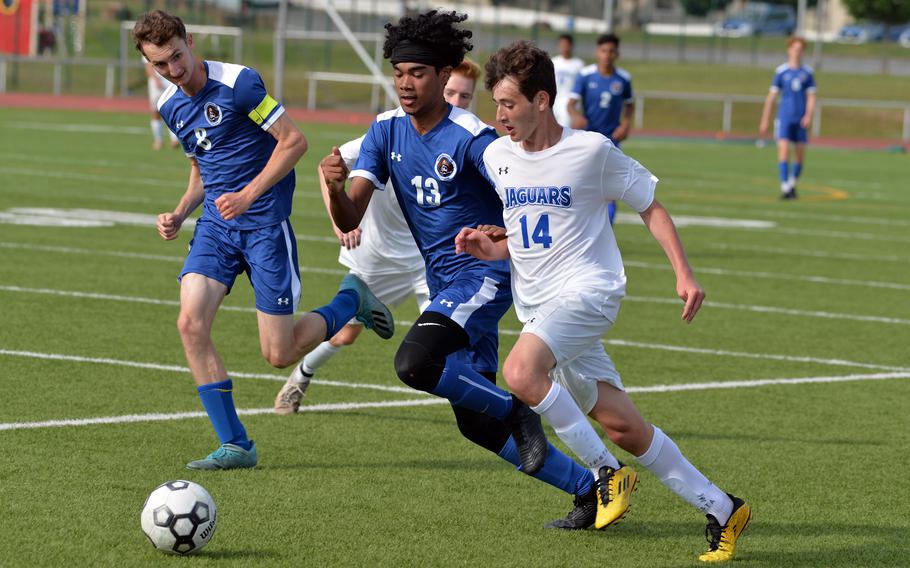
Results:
539 235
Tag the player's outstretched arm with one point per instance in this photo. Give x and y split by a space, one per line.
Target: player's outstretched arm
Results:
169 224
346 207
661 226
291 147
487 242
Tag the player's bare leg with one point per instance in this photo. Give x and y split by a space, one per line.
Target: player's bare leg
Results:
288 399
526 371
284 341
623 423
200 298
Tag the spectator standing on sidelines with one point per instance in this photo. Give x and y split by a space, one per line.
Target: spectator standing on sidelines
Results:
156 87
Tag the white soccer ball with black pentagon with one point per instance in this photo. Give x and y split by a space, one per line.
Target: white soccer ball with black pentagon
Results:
179 517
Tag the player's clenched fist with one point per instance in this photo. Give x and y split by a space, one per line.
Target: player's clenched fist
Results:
169 225
334 171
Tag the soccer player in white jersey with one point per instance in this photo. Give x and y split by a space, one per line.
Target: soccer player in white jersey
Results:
568 280
567 68
795 83
381 251
242 149
156 87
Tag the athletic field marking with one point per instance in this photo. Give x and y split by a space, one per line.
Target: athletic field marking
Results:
800 216
642 299
775 310
812 253
179 369
79 128
699 221
636 264
843 235
777 276
173 184
159 417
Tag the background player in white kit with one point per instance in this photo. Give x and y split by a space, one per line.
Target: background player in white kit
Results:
157 85
568 280
567 68
382 252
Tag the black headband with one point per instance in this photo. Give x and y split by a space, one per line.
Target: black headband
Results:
407 51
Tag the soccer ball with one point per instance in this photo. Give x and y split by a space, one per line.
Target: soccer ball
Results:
179 517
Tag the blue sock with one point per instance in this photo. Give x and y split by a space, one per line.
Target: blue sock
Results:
784 173
338 312
559 470
467 388
611 211
218 401
797 169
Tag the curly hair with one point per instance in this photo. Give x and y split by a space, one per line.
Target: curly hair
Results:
157 28
526 64
435 30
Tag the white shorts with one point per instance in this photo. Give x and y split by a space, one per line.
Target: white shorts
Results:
572 326
155 93
393 289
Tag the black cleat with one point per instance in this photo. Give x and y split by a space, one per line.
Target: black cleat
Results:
789 194
530 439
582 516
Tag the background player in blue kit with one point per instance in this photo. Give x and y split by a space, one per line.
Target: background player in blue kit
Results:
606 97
796 84
433 155
242 149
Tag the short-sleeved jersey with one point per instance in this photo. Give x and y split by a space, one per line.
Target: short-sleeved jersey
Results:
440 184
386 244
555 211
567 71
603 97
793 84
224 128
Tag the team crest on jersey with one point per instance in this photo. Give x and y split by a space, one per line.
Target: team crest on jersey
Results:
213 113
616 87
445 167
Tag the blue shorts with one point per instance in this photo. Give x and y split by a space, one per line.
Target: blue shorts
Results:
477 301
792 131
268 256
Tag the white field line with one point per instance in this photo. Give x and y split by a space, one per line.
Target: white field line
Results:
644 299
843 235
777 276
800 216
79 128
775 310
813 253
179 369
158 417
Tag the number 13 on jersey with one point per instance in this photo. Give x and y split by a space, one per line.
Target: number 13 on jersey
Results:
539 235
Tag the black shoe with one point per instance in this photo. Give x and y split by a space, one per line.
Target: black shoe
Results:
530 439
582 516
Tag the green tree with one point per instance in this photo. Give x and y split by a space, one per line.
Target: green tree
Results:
886 11
702 7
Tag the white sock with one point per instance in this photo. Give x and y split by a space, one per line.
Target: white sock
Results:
664 460
156 129
784 187
172 135
792 181
573 428
318 357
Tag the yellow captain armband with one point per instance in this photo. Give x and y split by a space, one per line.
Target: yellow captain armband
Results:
259 114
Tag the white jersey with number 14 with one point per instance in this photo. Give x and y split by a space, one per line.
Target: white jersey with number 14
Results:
555 211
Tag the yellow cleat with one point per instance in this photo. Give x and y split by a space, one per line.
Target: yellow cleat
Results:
614 491
722 540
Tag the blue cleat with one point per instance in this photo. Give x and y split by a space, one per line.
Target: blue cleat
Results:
228 456
371 312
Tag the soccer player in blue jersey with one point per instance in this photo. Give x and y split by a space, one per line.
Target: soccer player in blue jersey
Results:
796 84
242 149
432 154
606 97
